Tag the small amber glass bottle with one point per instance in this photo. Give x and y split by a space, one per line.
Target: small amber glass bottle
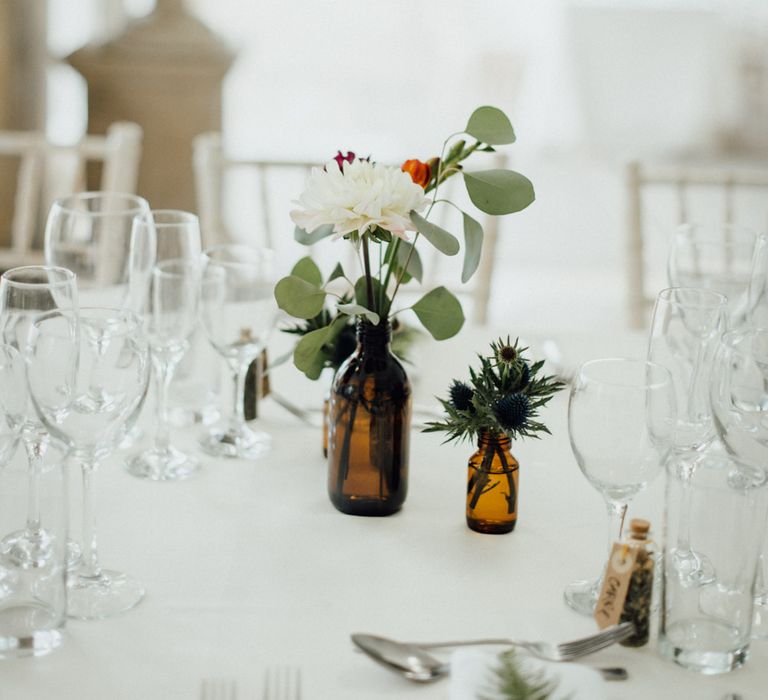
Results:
492 486
637 605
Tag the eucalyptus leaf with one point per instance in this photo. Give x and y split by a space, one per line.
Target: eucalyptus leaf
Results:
312 237
361 291
415 269
438 237
308 271
490 125
473 247
338 271
499 191
308 355
359 310
298 297
440 313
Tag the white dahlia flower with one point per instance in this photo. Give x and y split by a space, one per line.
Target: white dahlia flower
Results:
360 197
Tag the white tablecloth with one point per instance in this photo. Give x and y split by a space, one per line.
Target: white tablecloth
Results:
248 565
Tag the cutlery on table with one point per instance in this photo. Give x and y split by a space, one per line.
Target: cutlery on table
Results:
282 683
416 664
218 689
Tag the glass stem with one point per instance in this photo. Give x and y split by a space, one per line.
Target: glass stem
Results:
35 446
164 370
89 567
237 416
616 513
684 527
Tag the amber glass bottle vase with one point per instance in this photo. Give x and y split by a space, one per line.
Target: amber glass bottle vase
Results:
369 427
492 486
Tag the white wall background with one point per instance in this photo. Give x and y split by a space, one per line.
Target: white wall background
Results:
587 84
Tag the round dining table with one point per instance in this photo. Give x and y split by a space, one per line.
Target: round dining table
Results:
248 567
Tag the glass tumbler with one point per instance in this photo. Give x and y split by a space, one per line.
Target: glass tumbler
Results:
33 594
707 628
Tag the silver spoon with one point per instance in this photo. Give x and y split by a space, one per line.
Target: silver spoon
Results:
417 665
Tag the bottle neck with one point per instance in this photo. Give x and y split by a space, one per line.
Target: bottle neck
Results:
488 438
372 338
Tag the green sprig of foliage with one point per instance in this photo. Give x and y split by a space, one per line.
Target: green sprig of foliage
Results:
512 683
503 397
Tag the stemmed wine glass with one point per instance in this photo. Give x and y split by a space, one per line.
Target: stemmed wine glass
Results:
25 294
716 257
238 312
92 234
170 317
687 324
621 422
88 379
739 394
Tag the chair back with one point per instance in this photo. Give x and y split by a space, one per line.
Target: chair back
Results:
662 196
47 171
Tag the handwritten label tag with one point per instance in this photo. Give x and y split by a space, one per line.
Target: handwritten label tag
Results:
615 585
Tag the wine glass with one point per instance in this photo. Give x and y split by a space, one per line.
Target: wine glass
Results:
686 325
621 423
739 394
92 234
170 316
716 257
25 294
13 403
238 312
88 379
13 400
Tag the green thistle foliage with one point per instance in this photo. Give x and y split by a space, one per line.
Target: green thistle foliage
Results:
512 683
503 396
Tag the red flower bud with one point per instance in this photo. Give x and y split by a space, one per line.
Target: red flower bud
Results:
341 159
419 172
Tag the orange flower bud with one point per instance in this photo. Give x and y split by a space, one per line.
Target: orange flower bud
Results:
419 172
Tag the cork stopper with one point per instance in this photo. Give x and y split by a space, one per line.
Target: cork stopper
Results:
639 528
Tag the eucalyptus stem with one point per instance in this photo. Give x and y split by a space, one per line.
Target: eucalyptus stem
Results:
404 268
395 246
368 281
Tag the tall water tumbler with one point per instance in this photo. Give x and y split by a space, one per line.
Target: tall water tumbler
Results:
707 627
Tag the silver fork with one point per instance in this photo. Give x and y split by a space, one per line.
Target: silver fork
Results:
567 651
218 689
282 683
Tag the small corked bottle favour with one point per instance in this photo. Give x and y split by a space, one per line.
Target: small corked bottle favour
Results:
637 604
628 584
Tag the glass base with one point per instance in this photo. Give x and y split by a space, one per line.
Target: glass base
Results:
32 550
27 549
582 596
28 630
243 443
110 593
692 568
162 465
491 527
703 645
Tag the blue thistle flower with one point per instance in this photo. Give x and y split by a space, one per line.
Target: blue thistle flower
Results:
461 396
512 410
